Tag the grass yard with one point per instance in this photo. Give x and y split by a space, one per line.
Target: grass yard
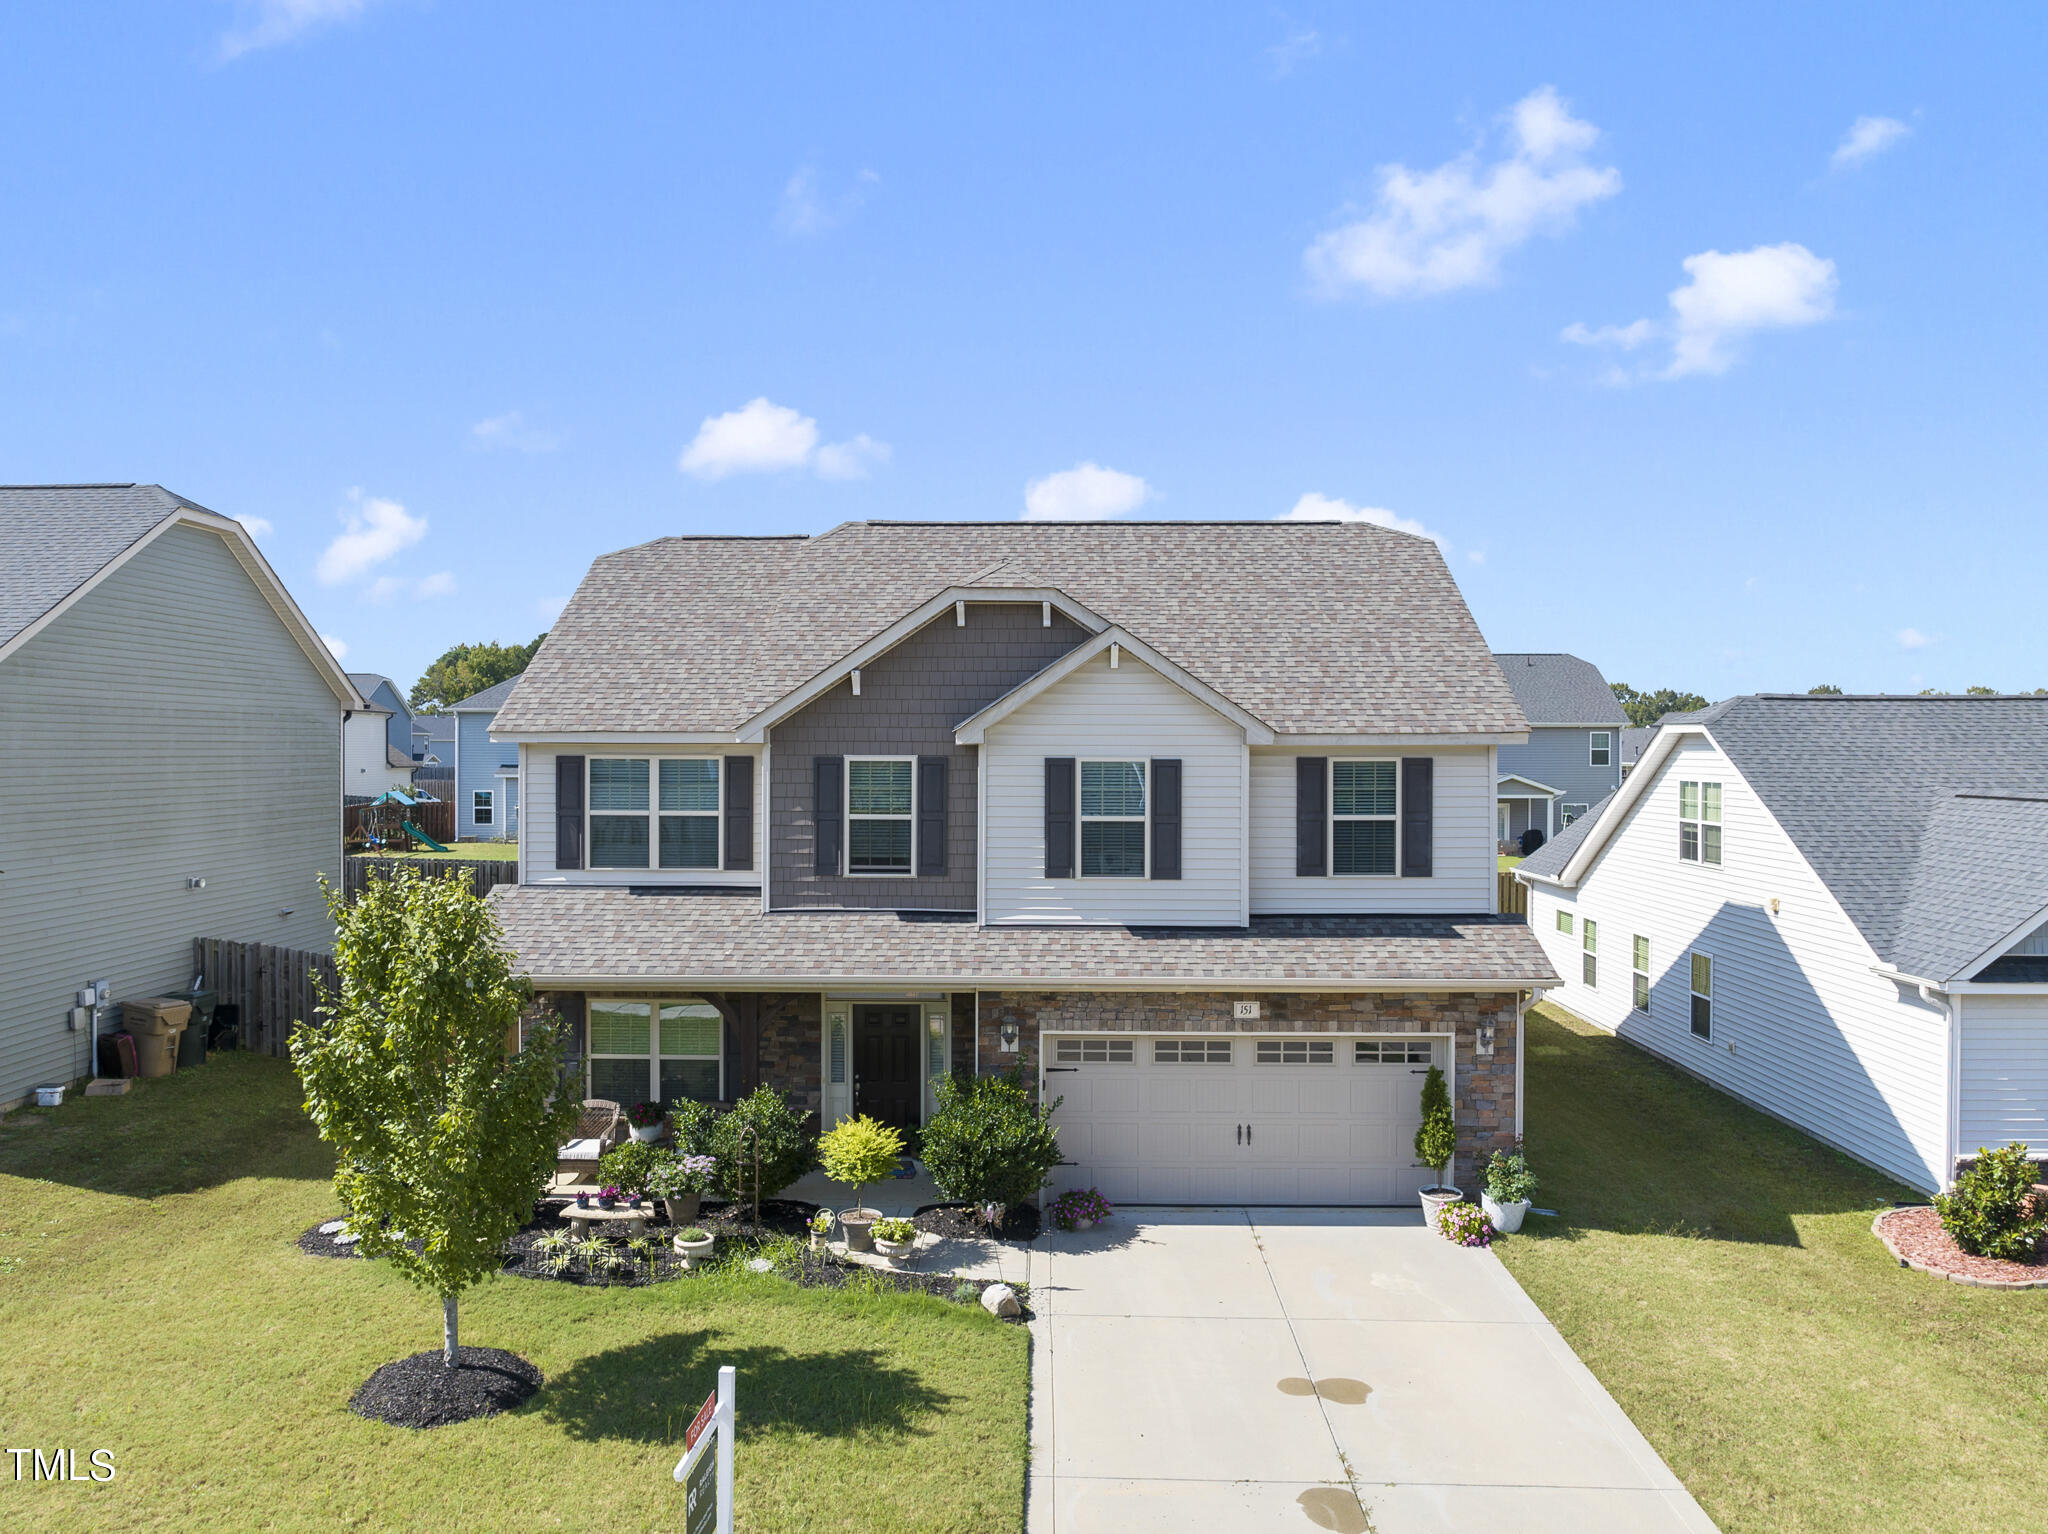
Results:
1716 1270
1504 861
156 1306
463 851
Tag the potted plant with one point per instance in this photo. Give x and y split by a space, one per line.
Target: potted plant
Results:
821 1229
895 1239
680 1182
1436 1142
582 1198
1463 1225
607 1197
1505 1198
859 1150
644 1119
694 1245
1080 1209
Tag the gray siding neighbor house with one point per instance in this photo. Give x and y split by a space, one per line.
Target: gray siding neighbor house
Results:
1572 759
846 815
210 750
486 774
1835 908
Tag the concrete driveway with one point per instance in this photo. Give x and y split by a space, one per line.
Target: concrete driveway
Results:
1275 1369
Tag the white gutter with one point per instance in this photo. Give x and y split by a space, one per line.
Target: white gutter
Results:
955 981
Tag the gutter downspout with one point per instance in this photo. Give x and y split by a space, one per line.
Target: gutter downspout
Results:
1952 1014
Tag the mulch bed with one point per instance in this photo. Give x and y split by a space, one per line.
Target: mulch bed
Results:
318 1244
1914 1236
421 1391
823 1270
960 1220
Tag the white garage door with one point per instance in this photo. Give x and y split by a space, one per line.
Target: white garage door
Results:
1240 1118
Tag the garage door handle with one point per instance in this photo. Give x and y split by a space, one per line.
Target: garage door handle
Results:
1052 1068
1240 1134
1247 1134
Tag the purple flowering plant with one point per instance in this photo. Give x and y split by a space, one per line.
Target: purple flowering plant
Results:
1465 1224
1069 1209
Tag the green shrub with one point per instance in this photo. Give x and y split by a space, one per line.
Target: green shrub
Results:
1993 1212
1436 1142
786 1152
986 1143
1508 1178
897 1229
627 1167
689 1126
859 1151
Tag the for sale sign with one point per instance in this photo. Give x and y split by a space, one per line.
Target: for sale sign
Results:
705 1470
700 1422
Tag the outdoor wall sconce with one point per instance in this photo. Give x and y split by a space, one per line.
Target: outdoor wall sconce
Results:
1484 1047
1007 1032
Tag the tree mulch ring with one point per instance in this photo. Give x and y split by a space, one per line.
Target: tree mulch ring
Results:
421 1391
1915 1236
813 1269
1019 1222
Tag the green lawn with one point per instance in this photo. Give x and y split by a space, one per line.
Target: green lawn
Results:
1716 1270
474 851
155 1305
1505 862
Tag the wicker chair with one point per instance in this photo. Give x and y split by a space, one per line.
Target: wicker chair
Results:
602 1126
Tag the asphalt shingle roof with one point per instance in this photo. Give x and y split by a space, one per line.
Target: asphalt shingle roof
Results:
1560 689
564 934
1548 860
489 698
55 538
1322 627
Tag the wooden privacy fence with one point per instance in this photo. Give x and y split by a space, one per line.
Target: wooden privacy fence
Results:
1514 895
483 873
274 989
436 817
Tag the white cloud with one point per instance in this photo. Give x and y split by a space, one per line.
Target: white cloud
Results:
1299 46
1477 556
854 458
1437 230
270 22
1316 507
440 584
1913 639
762 437
258 527
805 210
1728 297
1084 493
512 430
550 608
386 588
334 647
374 531
1867 137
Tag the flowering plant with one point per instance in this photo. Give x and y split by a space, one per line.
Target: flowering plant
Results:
680 1176
898 1229
644 1115
821 1223
1069 1209
1466 1224
607 1192
1508 1178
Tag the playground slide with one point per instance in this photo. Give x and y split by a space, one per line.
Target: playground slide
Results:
421 837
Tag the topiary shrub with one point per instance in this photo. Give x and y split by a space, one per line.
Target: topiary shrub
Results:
858 1151
1993 1211
985 1142
786 1152
1436 1142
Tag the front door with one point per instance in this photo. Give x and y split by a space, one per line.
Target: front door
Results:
886 1082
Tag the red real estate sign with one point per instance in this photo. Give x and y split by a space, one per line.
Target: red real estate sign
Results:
700 1422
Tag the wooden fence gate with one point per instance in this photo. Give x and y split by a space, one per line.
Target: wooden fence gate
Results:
1514 895
274 989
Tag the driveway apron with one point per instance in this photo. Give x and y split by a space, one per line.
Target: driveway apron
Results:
1273 1369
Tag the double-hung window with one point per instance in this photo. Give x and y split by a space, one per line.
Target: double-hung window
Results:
879 797
1564 921
1699 822
1362 817
1567 813
480 806
1113 820
1600 748
1589 958
658 812
660 1051
689 812
619 832
1703 995
1641 974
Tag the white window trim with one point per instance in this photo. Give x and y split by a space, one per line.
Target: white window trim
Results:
654 812
482 807
1700 823
1330 799
1592 748
654 1054
1144 766
1713 980
847 818
1589 934
1564 923
1643 969
1567 813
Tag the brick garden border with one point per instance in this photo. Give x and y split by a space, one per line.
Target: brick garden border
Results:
1877 1230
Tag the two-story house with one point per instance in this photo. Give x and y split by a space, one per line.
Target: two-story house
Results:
377 741
486 771
1835 908
1191 825
1572 758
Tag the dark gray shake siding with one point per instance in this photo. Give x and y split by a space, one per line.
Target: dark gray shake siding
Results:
911 700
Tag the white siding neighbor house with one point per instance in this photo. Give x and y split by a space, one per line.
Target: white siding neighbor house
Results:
170 765
1835 908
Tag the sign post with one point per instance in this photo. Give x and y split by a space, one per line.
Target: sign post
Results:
705 1470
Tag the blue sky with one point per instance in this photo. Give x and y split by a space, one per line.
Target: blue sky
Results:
1707 343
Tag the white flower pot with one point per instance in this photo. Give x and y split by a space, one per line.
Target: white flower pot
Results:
695 1252
1506 1218
646 1134
895 1251
1433 1201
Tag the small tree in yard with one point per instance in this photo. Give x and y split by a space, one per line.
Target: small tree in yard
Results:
1436 1142
442 1137
859 1151
987 1143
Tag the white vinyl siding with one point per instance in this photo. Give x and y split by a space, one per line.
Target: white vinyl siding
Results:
1462 843
1802 1025
2004 1072
1128 714
537 811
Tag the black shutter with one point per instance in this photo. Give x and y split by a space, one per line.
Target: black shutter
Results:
1165 817
1311 816
1418 816
931 815
568 812
828 813
739 812
1059 817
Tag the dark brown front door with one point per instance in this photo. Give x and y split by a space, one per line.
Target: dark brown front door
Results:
885 1075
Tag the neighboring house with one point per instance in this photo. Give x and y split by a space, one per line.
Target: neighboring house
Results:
433 754
486 773
377 744
1572 759
170 717
1835 908
1635 740
1191 825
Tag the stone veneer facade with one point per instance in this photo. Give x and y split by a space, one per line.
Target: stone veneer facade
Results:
1483 1091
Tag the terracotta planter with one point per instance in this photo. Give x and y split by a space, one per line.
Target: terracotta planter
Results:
856 1223
1505 1218
681 1211
1433 1201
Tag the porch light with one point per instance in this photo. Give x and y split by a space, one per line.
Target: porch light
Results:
1007 1032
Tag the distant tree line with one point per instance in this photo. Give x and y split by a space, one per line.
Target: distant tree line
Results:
468 669
1644 708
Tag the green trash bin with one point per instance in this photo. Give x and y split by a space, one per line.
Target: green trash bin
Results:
192 1043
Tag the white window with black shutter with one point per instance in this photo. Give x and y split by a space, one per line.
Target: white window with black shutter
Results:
1364 817
660 812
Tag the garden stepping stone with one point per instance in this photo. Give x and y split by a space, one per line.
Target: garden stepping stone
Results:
332 1227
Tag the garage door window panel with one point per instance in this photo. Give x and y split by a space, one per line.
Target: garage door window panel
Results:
1094 1052
1191 1052
1297 1052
